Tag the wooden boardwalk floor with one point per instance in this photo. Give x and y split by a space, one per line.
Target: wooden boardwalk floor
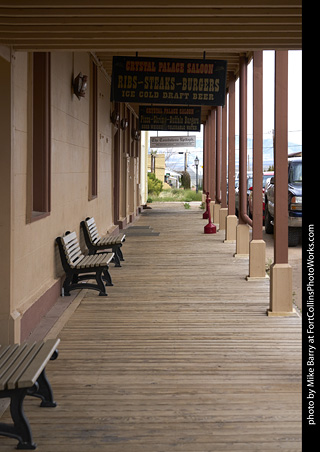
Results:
180 356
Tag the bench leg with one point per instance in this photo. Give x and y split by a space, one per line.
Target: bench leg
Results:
44 391
20 429
107 277
66 285
120 254
71 284
116 257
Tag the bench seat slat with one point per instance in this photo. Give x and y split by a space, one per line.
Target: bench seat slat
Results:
94 260
7 362
33 371
112 239
5 352
22 363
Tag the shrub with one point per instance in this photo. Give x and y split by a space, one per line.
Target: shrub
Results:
177 195
154 185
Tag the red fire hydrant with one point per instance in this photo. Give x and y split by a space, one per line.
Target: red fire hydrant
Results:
205 215
210 227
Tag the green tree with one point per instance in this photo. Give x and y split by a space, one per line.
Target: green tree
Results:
185 180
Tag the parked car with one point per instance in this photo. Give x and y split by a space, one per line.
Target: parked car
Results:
237 197
265 179
294 202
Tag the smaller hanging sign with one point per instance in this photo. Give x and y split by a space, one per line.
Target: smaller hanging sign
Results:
170 118
173 142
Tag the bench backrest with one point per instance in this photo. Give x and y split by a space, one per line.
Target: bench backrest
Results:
92 230
71 249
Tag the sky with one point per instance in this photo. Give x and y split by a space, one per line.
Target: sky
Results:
294 104
294 95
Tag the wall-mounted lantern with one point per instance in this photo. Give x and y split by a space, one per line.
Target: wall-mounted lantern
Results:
80 85
124 123
115 118
136 134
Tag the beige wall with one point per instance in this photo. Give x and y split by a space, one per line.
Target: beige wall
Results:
160 166
35 261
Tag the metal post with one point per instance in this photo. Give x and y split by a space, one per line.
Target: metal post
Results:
196 162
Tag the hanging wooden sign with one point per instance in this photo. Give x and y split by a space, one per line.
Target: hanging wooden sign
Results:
168 81
173 142
170 118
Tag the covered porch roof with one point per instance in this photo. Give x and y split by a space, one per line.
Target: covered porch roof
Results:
218 29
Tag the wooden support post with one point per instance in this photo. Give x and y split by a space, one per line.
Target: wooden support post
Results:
204 176
281 271
232 220
223 211
217 205
242 239
212 160
257 247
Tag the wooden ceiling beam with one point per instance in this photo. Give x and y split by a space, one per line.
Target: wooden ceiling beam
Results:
161 11
36 46
165 21
151 3
138 31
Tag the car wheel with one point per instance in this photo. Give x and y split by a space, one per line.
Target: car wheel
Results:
267 221
294 236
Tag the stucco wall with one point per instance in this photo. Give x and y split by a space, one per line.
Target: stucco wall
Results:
35 260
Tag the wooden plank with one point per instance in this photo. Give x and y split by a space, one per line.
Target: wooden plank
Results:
10 363
25 360
182 357
39 362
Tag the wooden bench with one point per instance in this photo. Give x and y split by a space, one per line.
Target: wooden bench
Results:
79 267
96 243
22 372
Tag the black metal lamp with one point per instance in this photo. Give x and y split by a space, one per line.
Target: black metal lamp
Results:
136 134
80 85
115 118
124 123
196 162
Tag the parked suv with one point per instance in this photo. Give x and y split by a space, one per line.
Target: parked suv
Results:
294 202
237 194
265 180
